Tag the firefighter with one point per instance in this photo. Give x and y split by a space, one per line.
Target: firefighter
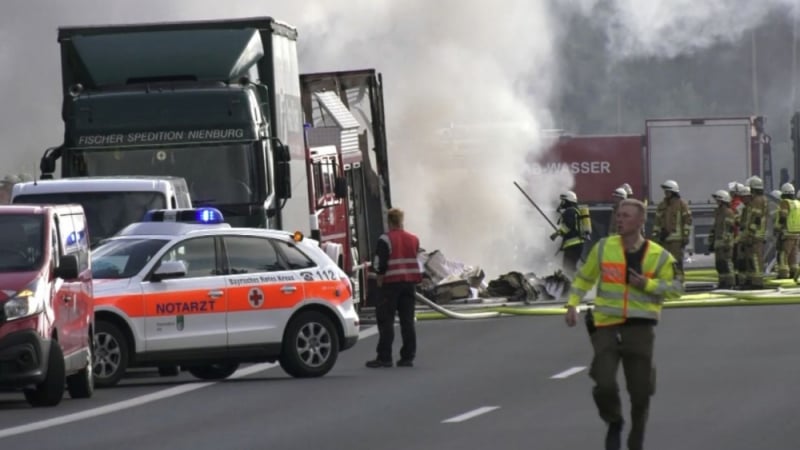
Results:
755 233
574 229
740 245
720 239
617 196
787 232
673 223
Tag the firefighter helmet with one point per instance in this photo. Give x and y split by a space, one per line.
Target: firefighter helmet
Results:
671 186
787 189
744 191
732 186
619 193
628 189
776 194
569 196
755 183
722 196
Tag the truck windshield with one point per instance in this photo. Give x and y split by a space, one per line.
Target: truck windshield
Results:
123 258
106 212
21 242
216 174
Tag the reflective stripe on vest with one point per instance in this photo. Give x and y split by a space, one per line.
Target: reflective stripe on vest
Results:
403 266
793 218
616 300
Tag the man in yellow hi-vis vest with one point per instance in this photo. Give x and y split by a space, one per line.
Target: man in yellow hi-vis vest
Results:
787 232
634 276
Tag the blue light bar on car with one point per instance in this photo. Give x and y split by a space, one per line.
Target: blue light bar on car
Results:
204 215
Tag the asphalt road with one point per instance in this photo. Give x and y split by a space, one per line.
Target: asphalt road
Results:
727 379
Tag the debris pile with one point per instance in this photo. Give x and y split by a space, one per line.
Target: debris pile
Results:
446 281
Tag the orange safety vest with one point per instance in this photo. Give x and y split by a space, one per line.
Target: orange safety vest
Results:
402 266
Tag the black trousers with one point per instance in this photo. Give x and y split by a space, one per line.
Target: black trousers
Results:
396 298
571 257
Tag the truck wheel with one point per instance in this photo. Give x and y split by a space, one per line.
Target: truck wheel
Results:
50 391
310 346
81 384
218 371
110 354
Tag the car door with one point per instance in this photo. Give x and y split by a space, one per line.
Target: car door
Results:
187 312
261 291
67 293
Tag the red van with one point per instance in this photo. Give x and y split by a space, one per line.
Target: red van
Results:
46 303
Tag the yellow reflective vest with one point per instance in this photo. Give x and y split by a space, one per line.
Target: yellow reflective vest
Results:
616 300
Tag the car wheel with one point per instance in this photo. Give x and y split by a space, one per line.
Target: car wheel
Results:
50 391
110 354
310 346
81 384
218 371
169 371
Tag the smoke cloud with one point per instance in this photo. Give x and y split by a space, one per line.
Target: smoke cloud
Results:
468 86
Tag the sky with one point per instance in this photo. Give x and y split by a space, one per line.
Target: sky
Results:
448 65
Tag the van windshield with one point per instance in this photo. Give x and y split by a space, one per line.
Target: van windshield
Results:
21 242
123 258
106 212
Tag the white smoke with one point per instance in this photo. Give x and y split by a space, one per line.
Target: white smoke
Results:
669 28
444 62
487 69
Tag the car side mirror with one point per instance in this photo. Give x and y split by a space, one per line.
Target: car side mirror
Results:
67 267
170 269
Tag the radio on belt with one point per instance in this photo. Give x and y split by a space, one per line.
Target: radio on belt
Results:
204 215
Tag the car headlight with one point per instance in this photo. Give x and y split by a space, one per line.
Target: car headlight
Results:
26 302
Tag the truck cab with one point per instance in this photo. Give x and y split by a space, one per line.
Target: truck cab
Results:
110 203
214 102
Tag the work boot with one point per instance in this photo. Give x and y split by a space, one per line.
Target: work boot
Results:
405 363
614 436
376 363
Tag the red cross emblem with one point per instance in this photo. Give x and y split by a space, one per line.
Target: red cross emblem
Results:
255 297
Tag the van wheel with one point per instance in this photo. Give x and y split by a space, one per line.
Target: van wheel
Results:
81 384
110 354
218 371
310 346
50 391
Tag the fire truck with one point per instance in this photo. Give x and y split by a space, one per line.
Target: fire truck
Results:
348 167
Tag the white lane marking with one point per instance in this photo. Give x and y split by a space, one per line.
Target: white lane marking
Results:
144 399
471 414
568 373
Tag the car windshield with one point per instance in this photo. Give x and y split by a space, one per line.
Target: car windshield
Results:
106 212
123 258
21 242
216 174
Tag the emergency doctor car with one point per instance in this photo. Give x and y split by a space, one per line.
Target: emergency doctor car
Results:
184 288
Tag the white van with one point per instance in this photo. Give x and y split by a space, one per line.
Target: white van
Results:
110 203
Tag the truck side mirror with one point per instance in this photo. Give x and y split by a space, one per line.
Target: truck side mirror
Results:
283 177
47 165
340 187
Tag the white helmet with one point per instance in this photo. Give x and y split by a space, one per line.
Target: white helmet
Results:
722 196
755 182
776 194
569 196
628 189
671 186
619 193
732 186
787 189
744 191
